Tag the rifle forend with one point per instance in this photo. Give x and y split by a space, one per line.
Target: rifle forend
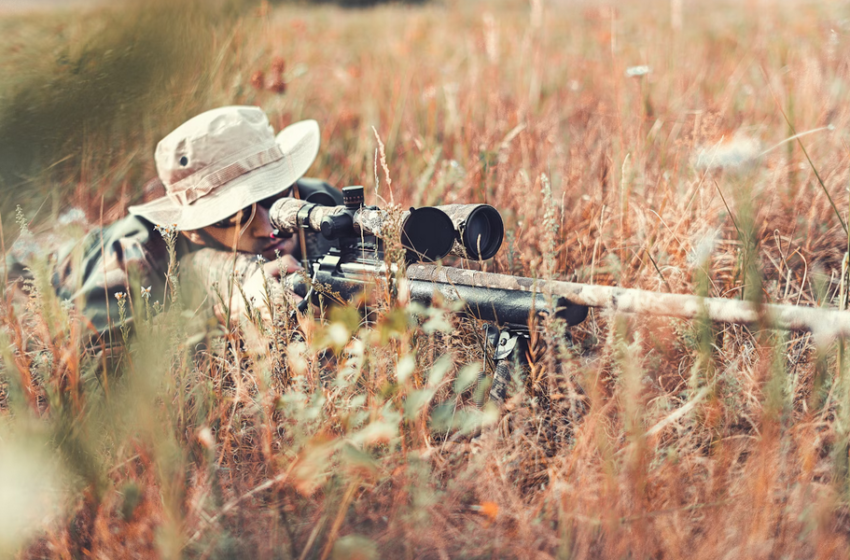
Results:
825 323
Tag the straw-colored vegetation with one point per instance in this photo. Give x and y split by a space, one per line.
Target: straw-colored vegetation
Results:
644 438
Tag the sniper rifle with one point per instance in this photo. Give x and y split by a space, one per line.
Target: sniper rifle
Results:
507 304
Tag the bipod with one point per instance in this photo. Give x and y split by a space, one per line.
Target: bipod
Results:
506 348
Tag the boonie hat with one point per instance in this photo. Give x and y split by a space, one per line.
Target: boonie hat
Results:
221 161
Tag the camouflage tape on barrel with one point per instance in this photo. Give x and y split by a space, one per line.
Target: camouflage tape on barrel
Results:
284 216
426 233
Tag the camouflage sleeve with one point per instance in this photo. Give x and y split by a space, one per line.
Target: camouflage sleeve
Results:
86 269
118 259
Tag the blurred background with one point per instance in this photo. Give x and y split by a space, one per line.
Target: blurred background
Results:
670 145
88 87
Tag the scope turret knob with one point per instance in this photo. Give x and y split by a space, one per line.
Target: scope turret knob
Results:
353 197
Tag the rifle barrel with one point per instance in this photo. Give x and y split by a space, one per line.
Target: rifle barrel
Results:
820 321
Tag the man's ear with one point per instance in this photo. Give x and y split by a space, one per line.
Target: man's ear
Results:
194 236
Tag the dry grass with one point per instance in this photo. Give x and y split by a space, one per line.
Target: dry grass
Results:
647 438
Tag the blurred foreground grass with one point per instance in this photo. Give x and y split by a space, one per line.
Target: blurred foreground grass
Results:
663 142
84 97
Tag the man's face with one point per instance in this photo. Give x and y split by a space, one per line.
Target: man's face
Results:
251 235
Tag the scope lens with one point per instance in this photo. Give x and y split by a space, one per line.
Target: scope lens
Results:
478 233
427 234
483 233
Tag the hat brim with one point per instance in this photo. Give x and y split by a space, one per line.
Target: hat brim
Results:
299 143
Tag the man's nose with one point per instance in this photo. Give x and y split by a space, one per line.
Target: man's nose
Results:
261 226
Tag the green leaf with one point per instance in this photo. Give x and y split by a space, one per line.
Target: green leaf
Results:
339 335
393 325
357 401
406 366
465 420
439 370
374 433
437 322
347 315
416 401
473 419
355 546
467 376
357 458
442 417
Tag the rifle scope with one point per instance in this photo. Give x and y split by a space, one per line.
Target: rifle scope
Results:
428 233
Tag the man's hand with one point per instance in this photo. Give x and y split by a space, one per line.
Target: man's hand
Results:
261 288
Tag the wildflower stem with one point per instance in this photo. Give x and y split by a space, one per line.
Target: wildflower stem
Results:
3 252
658 270
731 215
105 295
800 143
122 314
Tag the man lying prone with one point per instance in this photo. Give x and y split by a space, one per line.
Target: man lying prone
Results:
221 171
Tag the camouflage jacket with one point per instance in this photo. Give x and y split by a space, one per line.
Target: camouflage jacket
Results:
127 256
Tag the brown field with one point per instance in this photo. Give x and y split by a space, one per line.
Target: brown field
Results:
643 438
